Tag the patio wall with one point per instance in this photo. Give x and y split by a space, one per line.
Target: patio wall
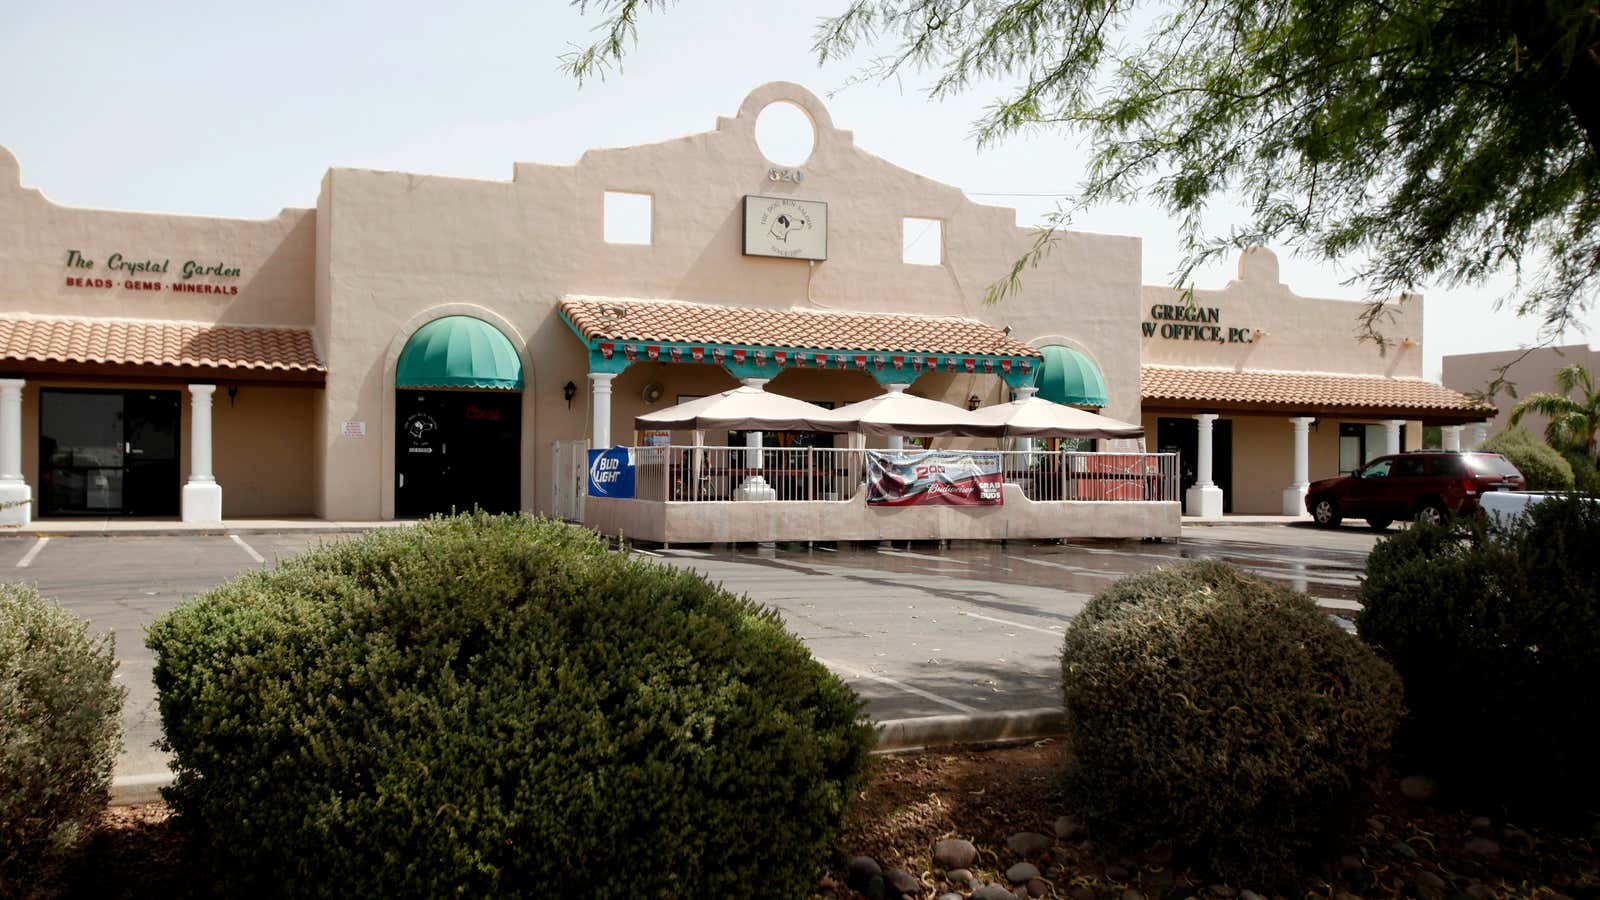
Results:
1018 518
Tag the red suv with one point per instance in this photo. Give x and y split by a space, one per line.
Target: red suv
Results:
1428 485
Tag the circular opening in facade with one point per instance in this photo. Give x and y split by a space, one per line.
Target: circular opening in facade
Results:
784 133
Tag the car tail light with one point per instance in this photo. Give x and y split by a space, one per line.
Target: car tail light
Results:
1470 486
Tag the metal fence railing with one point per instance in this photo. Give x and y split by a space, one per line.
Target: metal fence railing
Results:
698 474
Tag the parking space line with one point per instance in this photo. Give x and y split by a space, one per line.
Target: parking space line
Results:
1057 630
248 549
27 558
900 685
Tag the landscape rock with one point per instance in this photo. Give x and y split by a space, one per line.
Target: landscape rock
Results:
1037 887
954 853
1480 824
961 878
904 883
1119 874
1070 829
1131 894
993 892
1403 850
1420 788
1022 872
1249 895
1028 844
1080 893
1482 847
877 888
949 895
860 871
1222 891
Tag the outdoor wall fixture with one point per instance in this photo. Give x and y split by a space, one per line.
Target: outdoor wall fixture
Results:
1261 334
1407 343
972 402
570 391
233 393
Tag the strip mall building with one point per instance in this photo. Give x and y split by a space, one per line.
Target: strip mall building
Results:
416 343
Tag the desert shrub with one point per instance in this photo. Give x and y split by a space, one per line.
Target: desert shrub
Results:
60 733
1211 708
1542 465
1585 475
1495 637
498 706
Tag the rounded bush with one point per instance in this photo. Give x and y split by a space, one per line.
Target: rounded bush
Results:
498 706
60 733
1494 633
1211 708
1585 475
1541 465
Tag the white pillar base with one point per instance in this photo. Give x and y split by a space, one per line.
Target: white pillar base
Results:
1204 501
755 488
1294 501
202 501
16 503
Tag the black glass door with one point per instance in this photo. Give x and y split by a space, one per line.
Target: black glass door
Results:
1182 436
457 451
109 452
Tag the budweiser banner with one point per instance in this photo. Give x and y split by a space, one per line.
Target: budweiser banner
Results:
933 478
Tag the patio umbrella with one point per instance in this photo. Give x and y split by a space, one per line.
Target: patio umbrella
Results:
1038 417
897 412
744 408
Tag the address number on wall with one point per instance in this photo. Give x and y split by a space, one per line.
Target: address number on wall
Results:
791 176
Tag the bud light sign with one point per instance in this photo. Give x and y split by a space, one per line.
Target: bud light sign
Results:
611 473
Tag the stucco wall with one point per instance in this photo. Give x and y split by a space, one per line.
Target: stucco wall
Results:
275 258
1531 374
399 245
1303 334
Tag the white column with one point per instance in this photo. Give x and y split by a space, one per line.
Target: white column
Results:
895 441
754 487
1294 496
1391 435
202 496
1480 433
1204 498
16 497
1451 437
602 409
1026 444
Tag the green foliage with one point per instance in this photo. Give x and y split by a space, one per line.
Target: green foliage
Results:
1212 708
1574 422
60 732
1495 639
1585 475
1437 140
498 706
1540 464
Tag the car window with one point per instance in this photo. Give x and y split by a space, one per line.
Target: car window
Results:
1379 469
1492 464
1446 466
1407 467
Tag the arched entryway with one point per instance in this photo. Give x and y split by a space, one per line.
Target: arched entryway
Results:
458 420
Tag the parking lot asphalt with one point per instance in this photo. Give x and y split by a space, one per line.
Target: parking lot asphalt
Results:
917 630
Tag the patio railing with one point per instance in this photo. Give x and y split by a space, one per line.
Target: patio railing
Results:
698 474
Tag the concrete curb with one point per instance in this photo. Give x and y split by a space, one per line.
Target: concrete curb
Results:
935 732
894 736
129 790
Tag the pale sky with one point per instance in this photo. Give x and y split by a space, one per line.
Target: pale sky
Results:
237 109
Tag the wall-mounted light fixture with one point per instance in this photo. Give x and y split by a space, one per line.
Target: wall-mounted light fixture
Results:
233 393
1261 333
569 391
972 402
1407 343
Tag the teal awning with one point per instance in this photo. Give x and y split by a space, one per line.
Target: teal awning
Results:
1069 377
459 352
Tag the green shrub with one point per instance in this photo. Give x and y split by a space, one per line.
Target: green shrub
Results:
1542 466
60 733
1211 708
1585 476
498 706
1495 638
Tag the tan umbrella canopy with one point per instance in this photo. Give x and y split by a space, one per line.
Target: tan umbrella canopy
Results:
900 413
744 408
1038 417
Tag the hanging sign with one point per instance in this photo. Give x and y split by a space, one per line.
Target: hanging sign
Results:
933 478
611 473
785 227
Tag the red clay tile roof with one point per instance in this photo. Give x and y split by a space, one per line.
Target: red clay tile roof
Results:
1311 391
144 342
601 318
